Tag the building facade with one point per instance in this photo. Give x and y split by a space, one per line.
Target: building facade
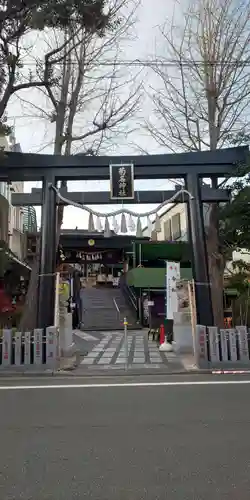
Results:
11 218
29 220
174 223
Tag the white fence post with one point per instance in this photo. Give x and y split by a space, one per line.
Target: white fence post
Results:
51 346
38 346
213 337
201 346
223 342
27 340
232 344
18 345
6 347
243 343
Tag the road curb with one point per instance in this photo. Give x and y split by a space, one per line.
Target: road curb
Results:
137 373
115 373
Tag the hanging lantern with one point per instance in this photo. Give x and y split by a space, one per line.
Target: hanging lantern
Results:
123 224
139 229
91 225
157 224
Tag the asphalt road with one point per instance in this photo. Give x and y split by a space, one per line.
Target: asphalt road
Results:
182 442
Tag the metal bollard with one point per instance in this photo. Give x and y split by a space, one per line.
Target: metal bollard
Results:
125 323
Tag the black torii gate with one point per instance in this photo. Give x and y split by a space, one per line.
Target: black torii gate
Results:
50 169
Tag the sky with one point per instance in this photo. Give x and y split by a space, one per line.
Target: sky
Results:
36 135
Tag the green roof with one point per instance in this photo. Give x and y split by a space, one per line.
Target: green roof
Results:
177 251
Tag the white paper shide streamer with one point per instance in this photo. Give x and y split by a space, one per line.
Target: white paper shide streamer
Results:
115 224
125 225
149 226
99 227
131 223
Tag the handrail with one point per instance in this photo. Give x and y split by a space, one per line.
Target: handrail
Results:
116 306
130 295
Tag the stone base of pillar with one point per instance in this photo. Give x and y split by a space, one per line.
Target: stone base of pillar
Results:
67 345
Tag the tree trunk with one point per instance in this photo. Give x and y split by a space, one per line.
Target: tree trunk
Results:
29 316
216 267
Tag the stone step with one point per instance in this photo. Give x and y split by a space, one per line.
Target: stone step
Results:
100 311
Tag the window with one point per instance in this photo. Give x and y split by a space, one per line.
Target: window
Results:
167 230
176 226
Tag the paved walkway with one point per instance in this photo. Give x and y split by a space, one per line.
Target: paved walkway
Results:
110 351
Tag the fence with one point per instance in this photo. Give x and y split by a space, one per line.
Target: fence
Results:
30 349
222 348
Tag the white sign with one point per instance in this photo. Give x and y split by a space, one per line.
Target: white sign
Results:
151 303
116 281
172 276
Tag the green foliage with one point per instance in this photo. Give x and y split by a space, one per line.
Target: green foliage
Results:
16 15
235 216
5 129
240 278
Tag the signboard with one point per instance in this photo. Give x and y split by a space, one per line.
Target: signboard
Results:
172 276
79 256
122 182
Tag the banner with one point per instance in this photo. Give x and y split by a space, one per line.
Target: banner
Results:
172 276
122 182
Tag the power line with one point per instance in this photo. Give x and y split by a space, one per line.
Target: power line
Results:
155 63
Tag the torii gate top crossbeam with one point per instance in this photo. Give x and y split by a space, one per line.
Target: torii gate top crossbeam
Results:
29 167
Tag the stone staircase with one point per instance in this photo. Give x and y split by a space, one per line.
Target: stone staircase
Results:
104 310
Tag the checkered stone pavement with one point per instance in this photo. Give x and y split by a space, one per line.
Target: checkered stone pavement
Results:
111 352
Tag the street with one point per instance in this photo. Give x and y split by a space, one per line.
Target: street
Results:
183 438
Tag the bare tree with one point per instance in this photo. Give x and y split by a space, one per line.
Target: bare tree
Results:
203 93
92 99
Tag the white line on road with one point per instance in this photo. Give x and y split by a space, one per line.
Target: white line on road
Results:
126 384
